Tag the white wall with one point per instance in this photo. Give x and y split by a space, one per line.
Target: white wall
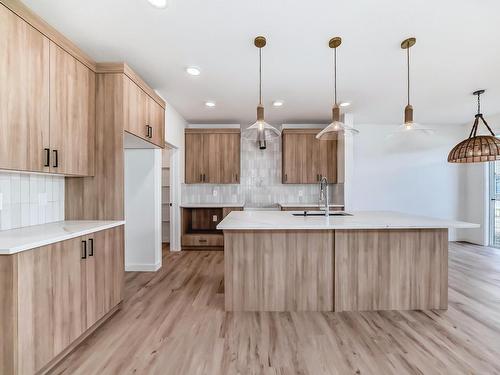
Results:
406 172
174 136
142 209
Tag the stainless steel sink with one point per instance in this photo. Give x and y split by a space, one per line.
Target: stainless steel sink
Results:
319 213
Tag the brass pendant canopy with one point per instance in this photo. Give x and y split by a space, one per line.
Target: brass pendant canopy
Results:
476 148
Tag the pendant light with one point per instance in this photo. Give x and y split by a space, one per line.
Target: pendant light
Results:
261 132
477 148
336 126
409 124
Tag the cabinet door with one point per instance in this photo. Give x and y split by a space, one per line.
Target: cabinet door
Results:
328 160
194 158
295 169
24 94
231 158
72 114
313 159
51 302
136 109
156 119
104 273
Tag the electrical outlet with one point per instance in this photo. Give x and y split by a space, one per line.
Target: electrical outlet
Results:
42 199
214 192
214 218
1 201
301 193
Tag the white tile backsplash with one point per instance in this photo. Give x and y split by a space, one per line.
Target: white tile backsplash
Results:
30 199
260 183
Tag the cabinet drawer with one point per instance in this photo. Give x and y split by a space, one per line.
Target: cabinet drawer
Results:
202 240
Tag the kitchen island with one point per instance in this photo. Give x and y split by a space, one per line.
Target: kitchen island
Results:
284 261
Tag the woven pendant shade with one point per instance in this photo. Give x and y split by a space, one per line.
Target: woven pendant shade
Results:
475 150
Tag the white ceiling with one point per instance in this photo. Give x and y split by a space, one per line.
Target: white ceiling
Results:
457 51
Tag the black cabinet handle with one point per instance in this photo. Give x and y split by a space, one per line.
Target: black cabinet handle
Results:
91 247
204 177
317 177
84 249
236 177
201 177
147 131
151 132
202 240
47 157
286 177
56 159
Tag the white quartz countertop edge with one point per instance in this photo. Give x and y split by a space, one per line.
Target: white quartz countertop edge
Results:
284 220
212 205
308 205
27 238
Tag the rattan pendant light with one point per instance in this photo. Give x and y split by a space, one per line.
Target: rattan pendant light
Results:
409 124
260 131
476 148
336 126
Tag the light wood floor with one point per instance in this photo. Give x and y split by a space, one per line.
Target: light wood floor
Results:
173 322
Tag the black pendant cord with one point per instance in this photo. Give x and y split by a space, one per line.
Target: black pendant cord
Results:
473 132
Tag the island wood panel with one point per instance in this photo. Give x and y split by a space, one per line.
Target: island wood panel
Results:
8 314
102 197
278 270
391 269
24 95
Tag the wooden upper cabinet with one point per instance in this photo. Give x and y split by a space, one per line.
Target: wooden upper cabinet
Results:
24 94
305 159
156 120
144 117
195 162
72 114
212 156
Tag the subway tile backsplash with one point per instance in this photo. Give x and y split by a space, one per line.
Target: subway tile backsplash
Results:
260 183
30 199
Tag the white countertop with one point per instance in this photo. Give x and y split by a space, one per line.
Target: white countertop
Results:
212 205
269 220
27 238
308 205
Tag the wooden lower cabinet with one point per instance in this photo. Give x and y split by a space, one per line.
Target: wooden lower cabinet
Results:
54 294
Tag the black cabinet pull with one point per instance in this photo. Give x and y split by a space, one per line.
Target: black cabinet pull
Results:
91 247
147 131
202 240
317 177
204 177
151 132
236 177
47 157
286 177
201 177
84 249
56 159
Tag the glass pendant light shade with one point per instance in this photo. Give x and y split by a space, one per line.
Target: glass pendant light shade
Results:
260 131
476 148
336 127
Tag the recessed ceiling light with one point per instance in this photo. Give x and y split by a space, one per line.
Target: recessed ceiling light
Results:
210 104
278 103
193 71
158 3
345 104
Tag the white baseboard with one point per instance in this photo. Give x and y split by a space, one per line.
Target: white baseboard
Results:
142 267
